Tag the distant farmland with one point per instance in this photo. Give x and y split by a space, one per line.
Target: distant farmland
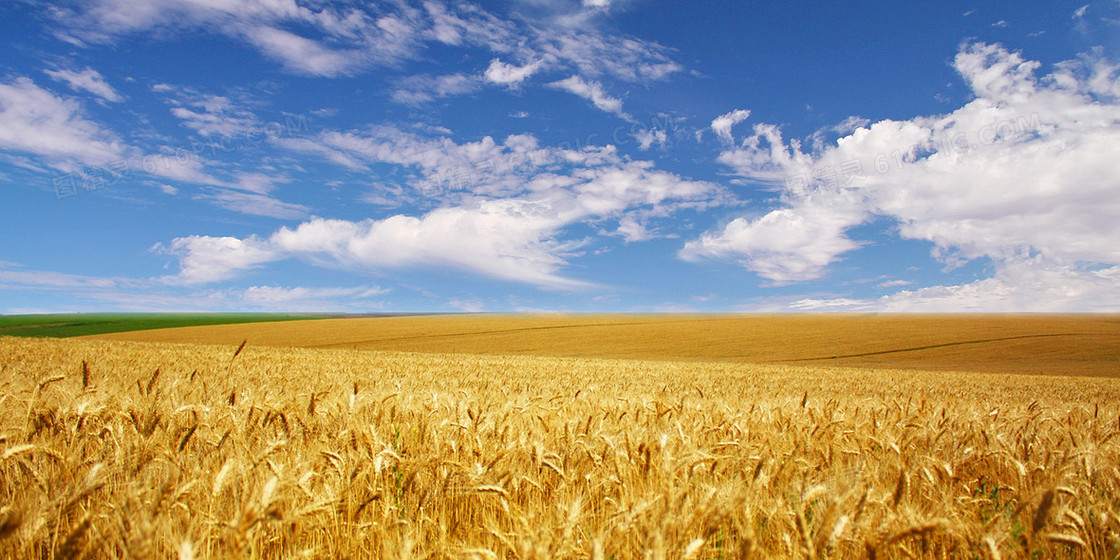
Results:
1034 344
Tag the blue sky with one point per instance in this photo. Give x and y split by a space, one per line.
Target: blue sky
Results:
524 155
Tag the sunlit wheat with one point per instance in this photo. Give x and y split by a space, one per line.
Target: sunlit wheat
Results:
116 449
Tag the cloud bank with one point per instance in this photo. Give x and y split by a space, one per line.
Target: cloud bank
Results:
1025 175
505 210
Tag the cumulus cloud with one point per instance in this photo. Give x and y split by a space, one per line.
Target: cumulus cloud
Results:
1026 169
516 239
507 222
785 245
209 259
504 239
89 80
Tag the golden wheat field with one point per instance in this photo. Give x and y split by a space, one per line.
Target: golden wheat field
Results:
1014 343
120 449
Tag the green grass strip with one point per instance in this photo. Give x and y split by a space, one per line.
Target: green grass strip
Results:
81 324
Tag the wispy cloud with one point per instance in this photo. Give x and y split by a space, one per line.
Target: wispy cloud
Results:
255 204
332 39
593 92
722 124
1024 285
509 75
303 55
76 292
206 114
35 121
416 90
88 80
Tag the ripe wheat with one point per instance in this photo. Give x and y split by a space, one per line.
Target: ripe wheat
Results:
120 449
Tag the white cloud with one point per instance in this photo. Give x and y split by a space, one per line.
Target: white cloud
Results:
1031 284
482 167
515 239
43 279
1028 167
465 24
507 74
593 92
227 127
416 90
353 38
209 115
1026 284
89 80
35 121
155 294
255 204
473 305
209 259
592 54
303 55
178 167
506 222
785 245
835 304
893 283
304 298
258 183
315 146
649 137
343 38
631 229
722 124
504 239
